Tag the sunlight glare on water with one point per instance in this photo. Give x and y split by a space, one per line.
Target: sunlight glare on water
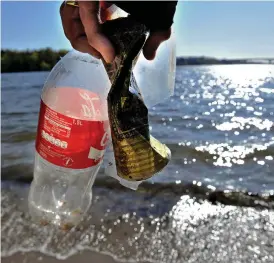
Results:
222 116
228 88
242 76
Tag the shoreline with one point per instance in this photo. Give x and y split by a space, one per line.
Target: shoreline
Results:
140 228
237 198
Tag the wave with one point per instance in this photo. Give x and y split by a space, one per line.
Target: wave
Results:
203 192
209 152
18 173
19 114
23 136
6 86
235 198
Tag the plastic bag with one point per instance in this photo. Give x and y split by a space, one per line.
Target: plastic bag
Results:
137 155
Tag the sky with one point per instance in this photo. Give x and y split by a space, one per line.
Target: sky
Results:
217 29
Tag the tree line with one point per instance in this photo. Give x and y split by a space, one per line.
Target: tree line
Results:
30 60
45 59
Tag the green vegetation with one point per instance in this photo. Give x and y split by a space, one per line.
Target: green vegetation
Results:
45 59
213 61
30 60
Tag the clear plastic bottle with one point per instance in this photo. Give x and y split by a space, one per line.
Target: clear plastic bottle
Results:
72 135
71 139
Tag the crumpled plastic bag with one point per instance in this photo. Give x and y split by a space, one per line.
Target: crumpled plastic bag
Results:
137 155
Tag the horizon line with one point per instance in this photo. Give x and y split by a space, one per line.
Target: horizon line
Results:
178 56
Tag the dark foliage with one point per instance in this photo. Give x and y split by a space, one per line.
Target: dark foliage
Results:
30 60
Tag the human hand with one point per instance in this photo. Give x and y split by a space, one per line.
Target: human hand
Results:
82 28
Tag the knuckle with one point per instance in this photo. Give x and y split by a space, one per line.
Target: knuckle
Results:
67 33
74 45
61 9
167 34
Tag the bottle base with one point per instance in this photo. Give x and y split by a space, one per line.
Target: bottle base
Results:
62 219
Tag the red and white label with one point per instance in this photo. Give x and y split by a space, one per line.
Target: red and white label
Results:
69 142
